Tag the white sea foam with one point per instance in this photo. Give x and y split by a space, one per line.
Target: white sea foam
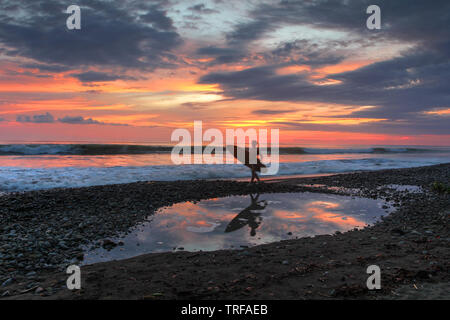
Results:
24 179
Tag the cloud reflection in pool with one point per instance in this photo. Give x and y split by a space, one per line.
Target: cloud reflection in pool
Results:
232 222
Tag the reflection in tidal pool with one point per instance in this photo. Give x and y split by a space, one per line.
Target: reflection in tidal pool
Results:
236 221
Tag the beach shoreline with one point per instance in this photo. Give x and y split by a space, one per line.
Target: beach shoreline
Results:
411 245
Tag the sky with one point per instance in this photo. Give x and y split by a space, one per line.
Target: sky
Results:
137 70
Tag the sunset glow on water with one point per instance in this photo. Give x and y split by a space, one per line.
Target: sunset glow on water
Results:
241 221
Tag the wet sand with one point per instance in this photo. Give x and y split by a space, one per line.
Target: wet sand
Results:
411 245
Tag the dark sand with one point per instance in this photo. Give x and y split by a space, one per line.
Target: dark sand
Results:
411 245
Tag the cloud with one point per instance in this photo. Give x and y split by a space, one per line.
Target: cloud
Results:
271 112
158 18
413 83
93 76
399 89
201 8
42 118
222 55
53 68
307 52
418 124
249 31
77 120
111 35
49 118
82 120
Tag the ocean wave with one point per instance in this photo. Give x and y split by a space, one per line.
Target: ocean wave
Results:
25 179
80 149
122 149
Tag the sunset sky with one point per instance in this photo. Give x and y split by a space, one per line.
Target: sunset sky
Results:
137 70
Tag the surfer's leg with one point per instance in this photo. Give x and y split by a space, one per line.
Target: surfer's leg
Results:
253 175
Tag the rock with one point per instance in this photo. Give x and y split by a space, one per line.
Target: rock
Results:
7 282
398 231
108 244
39 290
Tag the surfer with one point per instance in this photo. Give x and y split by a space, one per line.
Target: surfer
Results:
255 165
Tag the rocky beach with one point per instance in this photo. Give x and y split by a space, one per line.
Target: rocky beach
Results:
42 232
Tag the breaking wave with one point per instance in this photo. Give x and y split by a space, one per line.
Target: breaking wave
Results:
117 149
24 179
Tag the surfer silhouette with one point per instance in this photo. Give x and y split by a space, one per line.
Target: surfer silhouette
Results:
244 156
248 216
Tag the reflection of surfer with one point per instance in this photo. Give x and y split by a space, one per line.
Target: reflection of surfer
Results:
248 217
255 165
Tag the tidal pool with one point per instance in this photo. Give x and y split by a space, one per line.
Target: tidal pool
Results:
243 221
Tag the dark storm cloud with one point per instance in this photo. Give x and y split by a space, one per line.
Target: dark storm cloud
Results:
250 31
52 68
401 19
400 89
222 55
260 83
41 118
306 52
111 34
92 76
395 88
22 73
158 18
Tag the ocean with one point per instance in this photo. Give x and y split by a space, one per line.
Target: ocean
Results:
35 166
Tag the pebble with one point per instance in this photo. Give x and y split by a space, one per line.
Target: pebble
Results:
31 274
42 242
39 290
7 282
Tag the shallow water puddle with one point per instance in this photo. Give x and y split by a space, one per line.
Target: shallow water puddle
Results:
403 188
241 221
